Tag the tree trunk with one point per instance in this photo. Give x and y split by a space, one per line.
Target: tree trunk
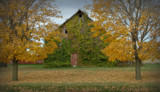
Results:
138 69
15 70
138 61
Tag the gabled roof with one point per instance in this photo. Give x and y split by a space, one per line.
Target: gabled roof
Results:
79 11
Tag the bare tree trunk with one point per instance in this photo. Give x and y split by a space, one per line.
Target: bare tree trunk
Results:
138 69
138 64
137 59
15 70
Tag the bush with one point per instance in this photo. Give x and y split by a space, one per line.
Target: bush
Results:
56 64
112 64
60 57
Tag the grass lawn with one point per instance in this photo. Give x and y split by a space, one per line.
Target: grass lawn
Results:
93 79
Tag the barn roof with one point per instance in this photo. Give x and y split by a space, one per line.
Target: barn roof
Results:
79 11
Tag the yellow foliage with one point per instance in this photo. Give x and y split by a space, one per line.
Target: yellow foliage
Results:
125 32
23 27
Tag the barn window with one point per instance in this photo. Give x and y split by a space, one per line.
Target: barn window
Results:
65 31
80 15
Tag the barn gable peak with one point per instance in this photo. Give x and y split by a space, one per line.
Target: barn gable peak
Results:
80 14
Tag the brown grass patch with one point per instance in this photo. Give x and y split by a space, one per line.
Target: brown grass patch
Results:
76 76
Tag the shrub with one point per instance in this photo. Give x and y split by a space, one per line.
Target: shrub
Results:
56 64
60 57
112 64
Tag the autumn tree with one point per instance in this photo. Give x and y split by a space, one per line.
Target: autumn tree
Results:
130 27
24 24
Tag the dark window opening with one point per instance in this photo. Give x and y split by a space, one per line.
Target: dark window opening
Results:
65 31
80 15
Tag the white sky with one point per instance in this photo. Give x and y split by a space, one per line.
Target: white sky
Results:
70 7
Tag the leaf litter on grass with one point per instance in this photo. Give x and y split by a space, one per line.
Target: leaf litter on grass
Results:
77 76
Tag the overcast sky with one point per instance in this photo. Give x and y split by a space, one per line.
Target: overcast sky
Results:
70 7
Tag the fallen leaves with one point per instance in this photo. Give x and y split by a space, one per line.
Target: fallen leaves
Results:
76 76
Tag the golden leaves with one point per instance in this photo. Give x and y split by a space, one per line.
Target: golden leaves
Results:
24 27
119 50
119 27
150 50
95 34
